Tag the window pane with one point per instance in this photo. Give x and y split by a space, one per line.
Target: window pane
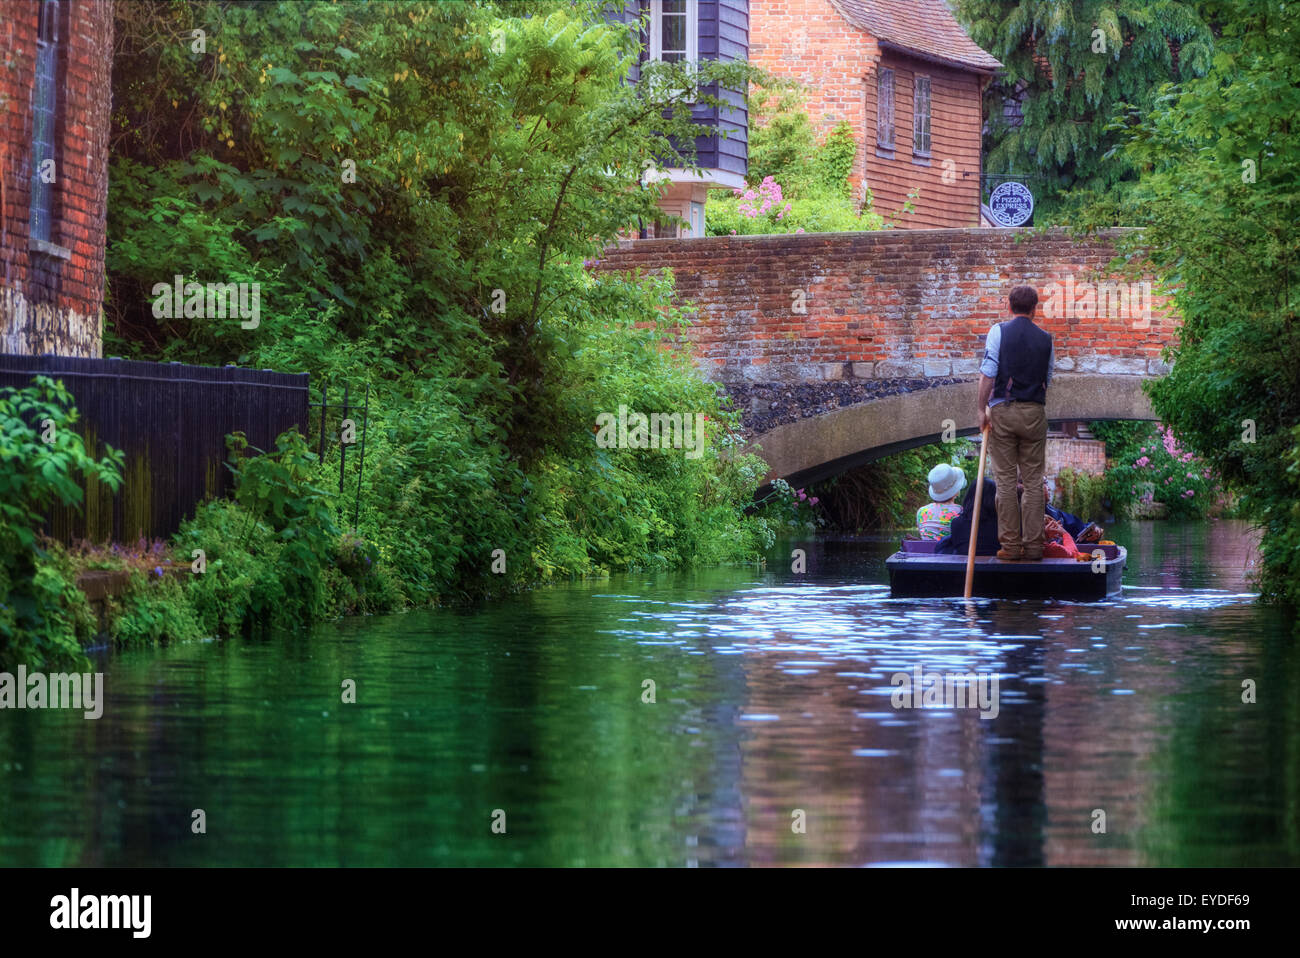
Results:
674 34
43 103
48 29
921 116
885 108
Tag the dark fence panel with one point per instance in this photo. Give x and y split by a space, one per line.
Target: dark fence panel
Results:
171 420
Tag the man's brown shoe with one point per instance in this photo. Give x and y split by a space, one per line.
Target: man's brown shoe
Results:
1009 556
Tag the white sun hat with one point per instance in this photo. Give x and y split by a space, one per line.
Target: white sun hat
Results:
946 482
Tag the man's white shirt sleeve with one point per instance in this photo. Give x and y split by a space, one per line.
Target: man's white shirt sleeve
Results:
992 350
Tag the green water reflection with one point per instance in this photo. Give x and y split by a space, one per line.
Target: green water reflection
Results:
772 695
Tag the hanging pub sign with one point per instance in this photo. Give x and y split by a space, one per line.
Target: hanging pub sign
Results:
1011 204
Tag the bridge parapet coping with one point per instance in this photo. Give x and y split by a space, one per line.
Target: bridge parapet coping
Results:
763 372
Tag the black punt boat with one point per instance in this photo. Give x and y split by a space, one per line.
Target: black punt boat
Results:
918 571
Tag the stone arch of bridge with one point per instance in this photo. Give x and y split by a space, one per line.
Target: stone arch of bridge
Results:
819 447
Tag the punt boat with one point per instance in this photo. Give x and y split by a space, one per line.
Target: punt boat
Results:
917 570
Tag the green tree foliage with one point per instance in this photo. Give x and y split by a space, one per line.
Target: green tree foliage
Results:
1071 64
782 143
43 461
417 188
795 185
1220 162
491 151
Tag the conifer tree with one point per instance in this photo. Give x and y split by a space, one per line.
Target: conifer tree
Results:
1070 65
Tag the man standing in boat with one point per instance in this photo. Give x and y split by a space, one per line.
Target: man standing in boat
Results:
1014 376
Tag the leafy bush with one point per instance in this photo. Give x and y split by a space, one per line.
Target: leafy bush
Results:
41 458
1149 465
278 493
268 550
787 508
357 582
1215 205
833 163
241 586
45 620
1081 493
801 187
782 142
639 508
153 611
440 492
766 209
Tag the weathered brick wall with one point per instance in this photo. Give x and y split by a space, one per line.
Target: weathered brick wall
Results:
50 299
809 41
894 304
1081 455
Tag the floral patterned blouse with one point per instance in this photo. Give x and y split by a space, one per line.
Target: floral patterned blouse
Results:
934 521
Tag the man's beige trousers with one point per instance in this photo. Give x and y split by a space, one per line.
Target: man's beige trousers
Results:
1018 443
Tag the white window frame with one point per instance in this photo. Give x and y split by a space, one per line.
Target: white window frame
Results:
692 30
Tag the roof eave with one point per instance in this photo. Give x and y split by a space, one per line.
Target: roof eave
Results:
943 61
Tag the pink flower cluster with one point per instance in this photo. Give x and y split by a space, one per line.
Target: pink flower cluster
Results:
767 197
803 495
1171 445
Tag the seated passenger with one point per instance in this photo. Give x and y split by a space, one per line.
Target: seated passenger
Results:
934 521
1081 531
1057 543
986 542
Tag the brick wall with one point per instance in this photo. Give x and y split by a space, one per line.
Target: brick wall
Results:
893 304
1081 455
50 298
809 41
837 63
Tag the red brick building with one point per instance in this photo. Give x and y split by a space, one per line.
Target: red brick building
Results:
908 80
55 100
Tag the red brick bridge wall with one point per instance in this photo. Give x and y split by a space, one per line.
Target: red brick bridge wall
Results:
901 304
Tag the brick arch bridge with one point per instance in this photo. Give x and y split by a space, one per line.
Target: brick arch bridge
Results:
840 348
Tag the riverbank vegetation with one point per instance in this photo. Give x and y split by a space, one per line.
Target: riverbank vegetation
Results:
1148 467
1220 162
43 462
885 494
1178 117
417 205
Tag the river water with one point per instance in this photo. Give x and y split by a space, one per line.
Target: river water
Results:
521 733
